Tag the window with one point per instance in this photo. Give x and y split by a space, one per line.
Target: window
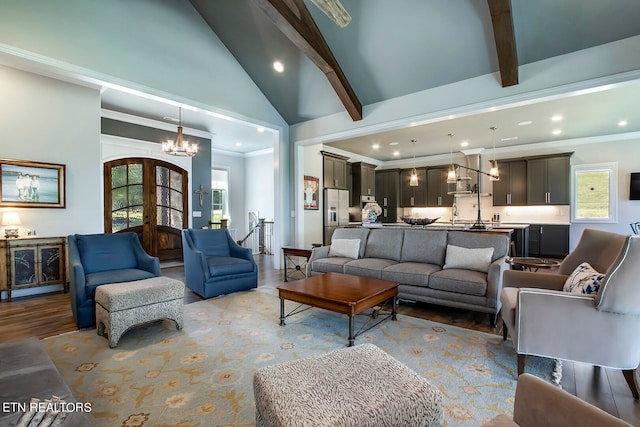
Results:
594 193
219 195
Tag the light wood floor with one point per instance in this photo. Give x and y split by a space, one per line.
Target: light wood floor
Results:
49 315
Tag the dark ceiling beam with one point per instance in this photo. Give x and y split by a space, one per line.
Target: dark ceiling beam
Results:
293 18
504 36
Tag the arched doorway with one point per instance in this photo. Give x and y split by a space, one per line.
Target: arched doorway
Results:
150 198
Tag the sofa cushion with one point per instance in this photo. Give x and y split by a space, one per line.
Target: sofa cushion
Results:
478 259
353 233
465 239
102 252
466 282
330 265
94 280
367 267
584 280
426 246
223 266
211 242
410 273
346 248
384 243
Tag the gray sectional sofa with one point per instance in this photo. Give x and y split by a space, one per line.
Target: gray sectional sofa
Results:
418 260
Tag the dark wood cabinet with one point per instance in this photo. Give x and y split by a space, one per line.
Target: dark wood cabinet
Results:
548 181
350 184
548 240
334 169
387 188
511 189
364 181
437 187
413 196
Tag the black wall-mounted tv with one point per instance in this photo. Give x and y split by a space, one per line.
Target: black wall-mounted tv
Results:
634 188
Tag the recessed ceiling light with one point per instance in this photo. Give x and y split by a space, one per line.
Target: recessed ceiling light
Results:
260 129
464 143
375 146
622 123
556 132
509 138
238 144
556 118
525 123
278 66
396 153
394 143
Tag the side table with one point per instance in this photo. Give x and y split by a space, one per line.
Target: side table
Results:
295 262
531 263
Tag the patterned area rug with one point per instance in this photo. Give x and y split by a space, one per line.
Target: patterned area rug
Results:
202 375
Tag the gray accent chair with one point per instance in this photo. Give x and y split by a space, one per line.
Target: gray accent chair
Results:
540 404
601 329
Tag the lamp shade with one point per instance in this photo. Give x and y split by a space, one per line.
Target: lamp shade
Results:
11 218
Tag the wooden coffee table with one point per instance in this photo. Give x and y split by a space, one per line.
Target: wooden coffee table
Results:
340 293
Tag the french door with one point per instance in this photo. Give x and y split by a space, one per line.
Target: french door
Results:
150 198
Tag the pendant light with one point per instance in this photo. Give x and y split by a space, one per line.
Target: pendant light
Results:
413 180
494 173
180 147
452 177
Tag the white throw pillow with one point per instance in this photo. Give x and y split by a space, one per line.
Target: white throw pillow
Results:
348 248
478 259
584 280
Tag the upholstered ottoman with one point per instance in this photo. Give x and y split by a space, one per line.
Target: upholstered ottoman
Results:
121 306
355 386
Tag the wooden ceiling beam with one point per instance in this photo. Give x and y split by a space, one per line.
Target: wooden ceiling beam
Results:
294 20
504 36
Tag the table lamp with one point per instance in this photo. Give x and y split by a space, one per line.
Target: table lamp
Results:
11 220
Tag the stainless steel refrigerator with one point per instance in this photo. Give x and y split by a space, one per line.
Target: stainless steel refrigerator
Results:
336 211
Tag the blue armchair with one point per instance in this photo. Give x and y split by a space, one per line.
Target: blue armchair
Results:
215 265
98 259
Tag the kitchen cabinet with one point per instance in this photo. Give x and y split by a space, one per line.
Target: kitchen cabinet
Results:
437 187
334 169
350 184
550 241
511 189
548 181
413 196
387 189
364 181
33 262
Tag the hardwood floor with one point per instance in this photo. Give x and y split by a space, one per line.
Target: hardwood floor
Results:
48 315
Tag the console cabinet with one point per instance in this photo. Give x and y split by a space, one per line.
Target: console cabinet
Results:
33 262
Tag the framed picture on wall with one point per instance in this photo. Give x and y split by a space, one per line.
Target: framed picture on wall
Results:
310 192
26 184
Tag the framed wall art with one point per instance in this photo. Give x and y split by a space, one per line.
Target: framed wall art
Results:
26 184
311 192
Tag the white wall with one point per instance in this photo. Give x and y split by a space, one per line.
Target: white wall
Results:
235 165
310 230
259 184
50 121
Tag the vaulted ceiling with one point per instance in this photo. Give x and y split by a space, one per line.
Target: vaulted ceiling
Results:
394 48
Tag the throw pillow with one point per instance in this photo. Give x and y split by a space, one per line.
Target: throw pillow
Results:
584 280
478 259
347 248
